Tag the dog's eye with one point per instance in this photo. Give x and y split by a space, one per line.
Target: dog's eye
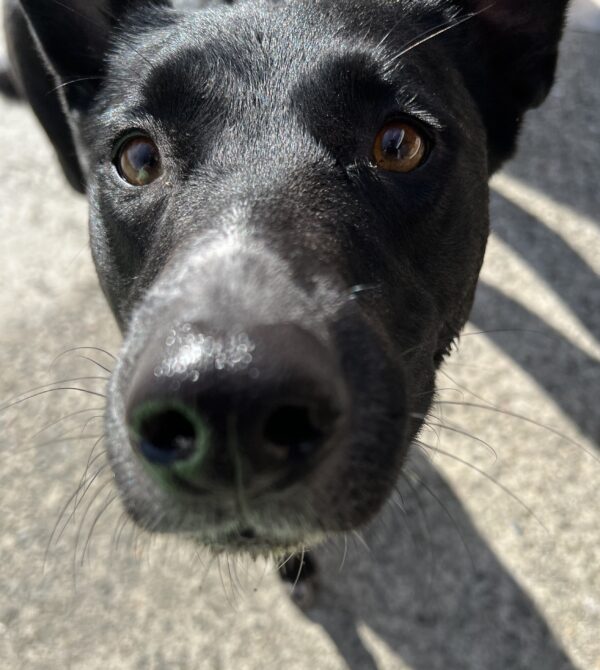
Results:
138 161
399 147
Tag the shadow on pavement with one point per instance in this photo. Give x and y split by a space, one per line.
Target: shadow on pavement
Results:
432 590
550 359
550 256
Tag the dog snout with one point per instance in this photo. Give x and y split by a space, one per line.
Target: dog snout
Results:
258 407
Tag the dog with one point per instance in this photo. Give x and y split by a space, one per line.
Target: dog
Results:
288 216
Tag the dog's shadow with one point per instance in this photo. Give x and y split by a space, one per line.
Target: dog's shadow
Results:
431 589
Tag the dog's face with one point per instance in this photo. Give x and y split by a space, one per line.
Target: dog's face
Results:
289 211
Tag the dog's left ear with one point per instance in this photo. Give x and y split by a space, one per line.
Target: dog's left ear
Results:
58 51
513 62
73 37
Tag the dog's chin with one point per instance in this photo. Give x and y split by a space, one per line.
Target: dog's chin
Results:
274 523
232 536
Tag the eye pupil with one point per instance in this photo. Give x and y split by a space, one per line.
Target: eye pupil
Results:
139 161
399 147
393 141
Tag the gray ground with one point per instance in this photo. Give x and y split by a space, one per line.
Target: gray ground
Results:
475 575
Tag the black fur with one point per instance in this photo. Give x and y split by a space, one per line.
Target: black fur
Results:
271 210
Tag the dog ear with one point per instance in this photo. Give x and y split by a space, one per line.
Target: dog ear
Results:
57 50
518 47
73 36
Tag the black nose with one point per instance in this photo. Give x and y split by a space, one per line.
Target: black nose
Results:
210 411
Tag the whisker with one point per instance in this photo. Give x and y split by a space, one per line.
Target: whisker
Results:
119 528
90 461
467 390
521 417
432 427
48 388
85 17
109 500
301 565
85 485
469 366
223 585
487 476
437 31
361 540
425 526
401 506
344 555
59 440
447 513
71 350
54 537
65 437
42 393
235 584
71 82
459 431
458 335
95 496
65 418
95 362
132 541
97 417
520 331
285 562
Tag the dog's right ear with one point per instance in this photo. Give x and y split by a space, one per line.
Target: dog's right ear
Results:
58 53
510 65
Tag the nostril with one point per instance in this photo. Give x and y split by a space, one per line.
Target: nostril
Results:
294 432
166 435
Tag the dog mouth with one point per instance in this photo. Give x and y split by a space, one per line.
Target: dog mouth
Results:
247 540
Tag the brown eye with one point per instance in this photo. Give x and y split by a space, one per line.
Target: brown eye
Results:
138 161
399 147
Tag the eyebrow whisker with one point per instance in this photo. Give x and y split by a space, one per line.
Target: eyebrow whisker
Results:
437 31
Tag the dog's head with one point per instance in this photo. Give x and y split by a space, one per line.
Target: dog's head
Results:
289 212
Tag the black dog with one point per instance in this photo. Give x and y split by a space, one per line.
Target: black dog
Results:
289 211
